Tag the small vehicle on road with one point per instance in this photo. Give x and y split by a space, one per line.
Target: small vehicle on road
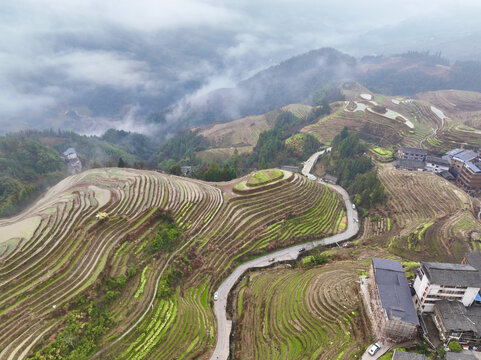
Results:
356 220
216 296
354 206
374 349
302 249
271 260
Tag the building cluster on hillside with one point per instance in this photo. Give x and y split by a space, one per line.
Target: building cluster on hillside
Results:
72 160
463 166
446 294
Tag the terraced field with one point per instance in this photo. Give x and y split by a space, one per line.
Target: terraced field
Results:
68 251
301 314
428 218
371 126
235 234
450 120
463 106
62 254
244 132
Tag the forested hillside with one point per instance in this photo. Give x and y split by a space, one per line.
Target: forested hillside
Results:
26 168
30 161
355 170
297 78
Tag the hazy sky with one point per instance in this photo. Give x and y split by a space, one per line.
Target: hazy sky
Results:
55 53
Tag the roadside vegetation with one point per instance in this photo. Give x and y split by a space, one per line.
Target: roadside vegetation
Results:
355 170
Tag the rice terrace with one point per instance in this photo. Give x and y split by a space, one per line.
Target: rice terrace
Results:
120 263
322 207
71 279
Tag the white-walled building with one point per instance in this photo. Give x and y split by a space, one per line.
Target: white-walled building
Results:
438 281
436 164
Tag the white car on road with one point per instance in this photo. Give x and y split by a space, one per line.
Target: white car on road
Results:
216 296
374 349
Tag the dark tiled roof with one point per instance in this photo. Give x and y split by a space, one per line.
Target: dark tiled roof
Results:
474 259
451 274
411 150
437 160
453 314
290 168
403 355
393 290
409 164
474 313
328 177
447 175
460 356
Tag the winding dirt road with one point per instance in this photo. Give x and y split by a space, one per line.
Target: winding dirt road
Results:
224 326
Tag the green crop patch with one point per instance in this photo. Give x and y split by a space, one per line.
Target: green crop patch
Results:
264 177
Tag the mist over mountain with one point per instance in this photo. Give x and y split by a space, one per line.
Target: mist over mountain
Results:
88 66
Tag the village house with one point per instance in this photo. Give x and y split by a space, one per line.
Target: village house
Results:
470 177
409 153
330 179
455 322
393 314
439 281
458 157
72 160
290 168
403 355
436 164
186 170
409 164
70 154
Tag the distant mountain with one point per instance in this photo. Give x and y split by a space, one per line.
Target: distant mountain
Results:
296 79
291 81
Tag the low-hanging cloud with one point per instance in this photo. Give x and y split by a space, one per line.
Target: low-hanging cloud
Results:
114 60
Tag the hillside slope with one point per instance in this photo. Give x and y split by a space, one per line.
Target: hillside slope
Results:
66 275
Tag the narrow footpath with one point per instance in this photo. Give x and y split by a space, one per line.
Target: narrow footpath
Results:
224 326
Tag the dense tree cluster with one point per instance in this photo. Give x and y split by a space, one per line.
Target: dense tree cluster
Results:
180 149
327 94
214 172
348 161
166 238
26 168
139 145
271 149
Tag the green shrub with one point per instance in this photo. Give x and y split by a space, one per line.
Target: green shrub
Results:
454 346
